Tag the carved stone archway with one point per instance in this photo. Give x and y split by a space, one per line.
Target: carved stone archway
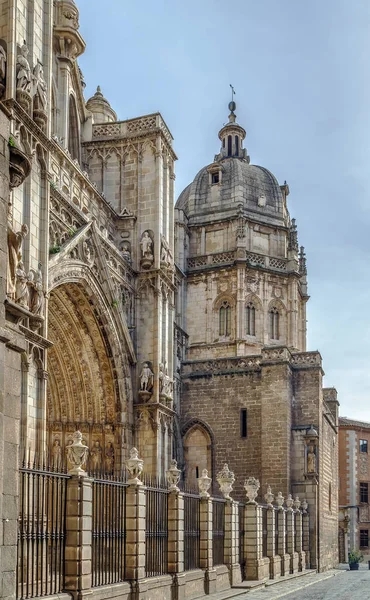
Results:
89 381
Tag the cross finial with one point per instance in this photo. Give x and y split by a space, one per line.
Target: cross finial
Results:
232 92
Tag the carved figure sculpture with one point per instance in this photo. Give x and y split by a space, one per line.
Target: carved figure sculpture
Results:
39 87
24 77
38 296
161 378
15 241
2 63
167 385
22 295
56 455
311 460
166 254
96 456
146 378
126 253
109 457
147 254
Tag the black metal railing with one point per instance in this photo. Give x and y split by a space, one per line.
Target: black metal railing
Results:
191 531
108 530
264 531
241 539
41 532
156 531
218 506
276 531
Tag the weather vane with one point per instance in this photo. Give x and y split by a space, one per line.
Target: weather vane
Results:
232 92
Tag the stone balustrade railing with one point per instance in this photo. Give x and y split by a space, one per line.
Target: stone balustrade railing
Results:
132 128
227 258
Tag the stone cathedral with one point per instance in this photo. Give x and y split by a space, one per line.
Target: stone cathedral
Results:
178 328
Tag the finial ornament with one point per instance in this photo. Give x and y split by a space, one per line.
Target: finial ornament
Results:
135 467
204 483
225 479
77 455
173 476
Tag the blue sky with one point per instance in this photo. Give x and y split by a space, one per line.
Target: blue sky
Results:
301 74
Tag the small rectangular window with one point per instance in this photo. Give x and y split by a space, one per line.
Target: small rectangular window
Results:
363 446
215 178
364 492
243 423
364 538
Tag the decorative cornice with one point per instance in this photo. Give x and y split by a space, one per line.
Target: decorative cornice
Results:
35 338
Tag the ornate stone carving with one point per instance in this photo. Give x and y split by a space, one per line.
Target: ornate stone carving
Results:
2 71
24 79
166 254
297 503
173 476
225 479
146 378
302 262
252 283
293 237
77 454
56 455
269 496
37 294
96 455
15 240
126 251
261 201
204 483
19 166
147 250
251 486
22 296
311 459
304 506
289 502
109 458
135 467
40 97
280 500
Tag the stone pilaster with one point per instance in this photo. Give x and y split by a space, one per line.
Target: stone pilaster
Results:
231 552
291 540
256 567
275 562
135 532
78 537
206 539
176 541
299 541
306 538
282 549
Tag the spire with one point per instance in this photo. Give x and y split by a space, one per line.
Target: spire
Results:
232 136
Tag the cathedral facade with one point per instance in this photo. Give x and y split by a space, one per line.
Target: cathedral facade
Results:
180 329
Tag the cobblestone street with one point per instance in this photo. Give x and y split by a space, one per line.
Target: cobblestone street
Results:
342 585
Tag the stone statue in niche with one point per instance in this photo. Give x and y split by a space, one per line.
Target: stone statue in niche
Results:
38 295
167 385
2 71
146 378
311 460
15 240
39 88
109 457
147 252
166 254
22 295
96 456
56 455
161 378
24 77
126 252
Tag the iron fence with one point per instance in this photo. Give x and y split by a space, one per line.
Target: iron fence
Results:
191 531
218 506
108 530
41 531
276 531
264 531
156 532
241 539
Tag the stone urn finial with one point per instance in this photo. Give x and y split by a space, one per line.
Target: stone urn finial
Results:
251 486
304 505
269 496
173 476
297 503
135 466
225 479
204 483
280 500
289 502
77 455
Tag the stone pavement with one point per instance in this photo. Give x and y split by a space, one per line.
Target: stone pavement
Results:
337 584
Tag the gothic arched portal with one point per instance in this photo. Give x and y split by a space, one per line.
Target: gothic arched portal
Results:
197 454
83 391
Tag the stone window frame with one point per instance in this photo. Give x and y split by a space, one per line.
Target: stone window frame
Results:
278 336
224 301
363 446
250 319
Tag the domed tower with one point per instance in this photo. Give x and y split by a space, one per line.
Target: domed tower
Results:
237 245
100 108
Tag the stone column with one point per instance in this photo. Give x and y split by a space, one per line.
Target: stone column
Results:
275 562
291 540
253 540
231 552
176 540
299 541
206 539
306 538
135 531
282 550
78 536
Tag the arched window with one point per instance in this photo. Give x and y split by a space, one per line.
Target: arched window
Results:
274 323
225 319
229 145
250 319
236 145
73 131
197 454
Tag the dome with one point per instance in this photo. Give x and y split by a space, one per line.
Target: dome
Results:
221 188
100 108
239 183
